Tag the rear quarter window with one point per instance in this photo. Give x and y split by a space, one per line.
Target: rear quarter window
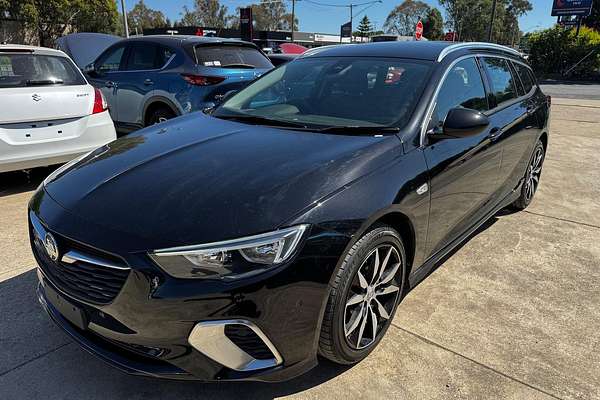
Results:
230 56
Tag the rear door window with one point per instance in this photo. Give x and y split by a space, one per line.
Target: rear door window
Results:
501 80
525 76
26 69
231 56
143 57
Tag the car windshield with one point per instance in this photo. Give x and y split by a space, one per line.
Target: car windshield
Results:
328 92
26 69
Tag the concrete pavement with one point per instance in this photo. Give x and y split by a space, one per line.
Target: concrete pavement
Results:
514 313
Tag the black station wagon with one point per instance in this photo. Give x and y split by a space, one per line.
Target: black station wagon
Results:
288 222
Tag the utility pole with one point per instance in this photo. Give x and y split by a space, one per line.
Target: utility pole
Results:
124 18
491 28
293 17
351 25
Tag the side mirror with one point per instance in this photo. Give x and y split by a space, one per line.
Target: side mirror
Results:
464 122
90 69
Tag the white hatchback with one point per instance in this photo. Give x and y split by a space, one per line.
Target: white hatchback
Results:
49 113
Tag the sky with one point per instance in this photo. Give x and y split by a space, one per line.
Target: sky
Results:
321 19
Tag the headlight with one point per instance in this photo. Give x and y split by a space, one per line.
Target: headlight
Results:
231 259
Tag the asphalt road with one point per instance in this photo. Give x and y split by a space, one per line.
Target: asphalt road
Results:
572 90
514 313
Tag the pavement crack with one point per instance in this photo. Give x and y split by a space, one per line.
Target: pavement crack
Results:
512 378
562 219
33 359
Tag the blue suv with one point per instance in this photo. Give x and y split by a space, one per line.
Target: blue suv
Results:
150 79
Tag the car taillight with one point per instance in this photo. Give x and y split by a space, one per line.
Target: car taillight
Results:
200 80
549 100
100 104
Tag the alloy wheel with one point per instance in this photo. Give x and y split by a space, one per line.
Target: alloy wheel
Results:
533 173
372 296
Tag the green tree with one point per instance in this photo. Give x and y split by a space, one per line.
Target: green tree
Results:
364 27
554 51
206 13
470 19
54 18
433 25
268 15
404 17
142 17
593 20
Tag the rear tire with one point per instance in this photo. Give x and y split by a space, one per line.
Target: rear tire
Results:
363 299
531 180
159 115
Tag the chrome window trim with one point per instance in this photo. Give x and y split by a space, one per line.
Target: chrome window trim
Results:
475 45
491 111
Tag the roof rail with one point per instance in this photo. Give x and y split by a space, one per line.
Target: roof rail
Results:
475 45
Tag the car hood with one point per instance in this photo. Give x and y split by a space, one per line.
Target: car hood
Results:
198 179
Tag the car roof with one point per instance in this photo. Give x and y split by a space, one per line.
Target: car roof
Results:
421 50
185 39
7 48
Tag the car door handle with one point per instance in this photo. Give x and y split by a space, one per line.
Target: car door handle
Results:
495 133
110 84
148 82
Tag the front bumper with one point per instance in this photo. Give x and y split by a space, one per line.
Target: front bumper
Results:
146 328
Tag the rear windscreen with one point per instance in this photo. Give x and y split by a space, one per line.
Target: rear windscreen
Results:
26 69
231 56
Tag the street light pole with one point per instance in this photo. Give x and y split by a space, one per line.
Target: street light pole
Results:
491 28
124 18
293 17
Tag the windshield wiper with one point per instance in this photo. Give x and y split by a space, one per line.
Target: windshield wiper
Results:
33 82
254 119
239 65
360 130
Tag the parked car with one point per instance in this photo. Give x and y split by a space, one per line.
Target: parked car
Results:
292 220
150 79
49 113
280 59
85 47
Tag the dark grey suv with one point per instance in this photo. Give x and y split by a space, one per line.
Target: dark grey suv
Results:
153 78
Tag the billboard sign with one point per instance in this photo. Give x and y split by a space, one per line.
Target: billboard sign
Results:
571 7
346 30
246 24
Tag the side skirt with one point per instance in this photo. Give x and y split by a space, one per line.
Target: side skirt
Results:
437 259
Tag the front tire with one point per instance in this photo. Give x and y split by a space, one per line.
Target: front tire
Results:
363 296
532 177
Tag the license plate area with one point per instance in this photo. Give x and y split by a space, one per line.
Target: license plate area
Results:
69 311
37 132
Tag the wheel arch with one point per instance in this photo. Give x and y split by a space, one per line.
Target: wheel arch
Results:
544 139
155 103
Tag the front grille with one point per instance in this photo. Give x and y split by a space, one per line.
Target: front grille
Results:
247 340
80 271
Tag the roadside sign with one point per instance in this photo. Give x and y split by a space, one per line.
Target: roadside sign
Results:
571 7
346 30
450 37
419 30
246 31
